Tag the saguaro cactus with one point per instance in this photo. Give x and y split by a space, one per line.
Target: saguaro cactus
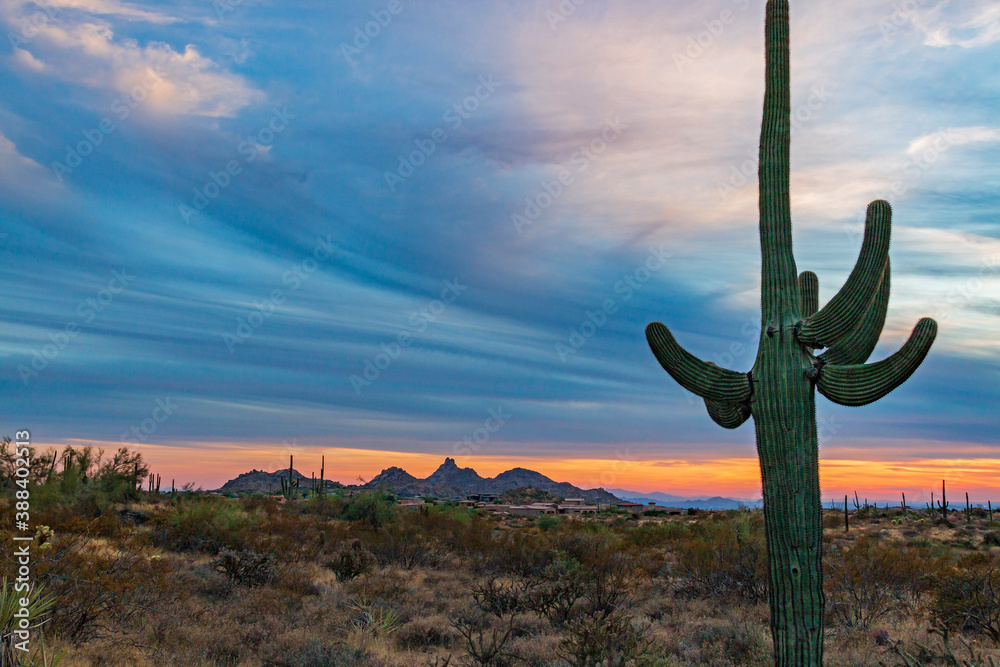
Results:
779 392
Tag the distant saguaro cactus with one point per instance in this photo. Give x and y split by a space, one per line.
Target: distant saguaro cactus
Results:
779 392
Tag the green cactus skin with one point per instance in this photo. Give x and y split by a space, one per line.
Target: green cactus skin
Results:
779 392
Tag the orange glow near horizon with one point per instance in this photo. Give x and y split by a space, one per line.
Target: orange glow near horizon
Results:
209 465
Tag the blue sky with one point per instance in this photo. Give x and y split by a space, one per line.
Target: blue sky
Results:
236 207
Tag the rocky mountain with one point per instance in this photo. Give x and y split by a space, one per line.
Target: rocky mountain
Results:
450 481
259 481
449 474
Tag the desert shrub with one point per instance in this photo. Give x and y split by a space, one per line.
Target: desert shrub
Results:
259 502
497 597
459 530
316 653
549 522
485 638
374 509
614 640
560 588
351 560
292 536
725 556
873 579
224 651
991 539
401 544
651 535
246 567
425 631
208 524
941 654
387 585
735 643
969 599
515 552
100 586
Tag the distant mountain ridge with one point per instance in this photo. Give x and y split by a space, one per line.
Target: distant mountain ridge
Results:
449 480
713 503
259 481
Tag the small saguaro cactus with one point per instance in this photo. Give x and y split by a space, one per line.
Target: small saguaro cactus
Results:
779 392
288 486
847 525
943 503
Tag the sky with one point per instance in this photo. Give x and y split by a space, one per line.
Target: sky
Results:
389 232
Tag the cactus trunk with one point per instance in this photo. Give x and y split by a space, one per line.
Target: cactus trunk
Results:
780 391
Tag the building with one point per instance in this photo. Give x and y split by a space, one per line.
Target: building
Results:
577 508
629 506
535 509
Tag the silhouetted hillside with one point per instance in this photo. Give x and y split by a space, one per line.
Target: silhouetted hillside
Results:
450 481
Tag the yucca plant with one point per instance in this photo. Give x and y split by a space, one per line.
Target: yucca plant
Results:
10 624
779 392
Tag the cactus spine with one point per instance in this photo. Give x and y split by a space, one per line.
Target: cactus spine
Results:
779 392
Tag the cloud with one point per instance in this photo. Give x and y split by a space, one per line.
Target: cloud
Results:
953 136
965 24
25 59
22 175
78 48
117 10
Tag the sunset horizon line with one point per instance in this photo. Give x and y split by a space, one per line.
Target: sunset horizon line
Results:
679 475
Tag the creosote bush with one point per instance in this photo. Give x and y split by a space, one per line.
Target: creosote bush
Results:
968 599
351 560
246 567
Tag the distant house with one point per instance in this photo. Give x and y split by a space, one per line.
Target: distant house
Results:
629 506
535 509
672 511
577 508
482 497
572 501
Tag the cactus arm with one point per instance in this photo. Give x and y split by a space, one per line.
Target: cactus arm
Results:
838 317
861 384
728 415
857 346
701 377
808 293
779 283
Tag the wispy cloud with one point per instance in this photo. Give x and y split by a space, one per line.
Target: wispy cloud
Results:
966 24
71 43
